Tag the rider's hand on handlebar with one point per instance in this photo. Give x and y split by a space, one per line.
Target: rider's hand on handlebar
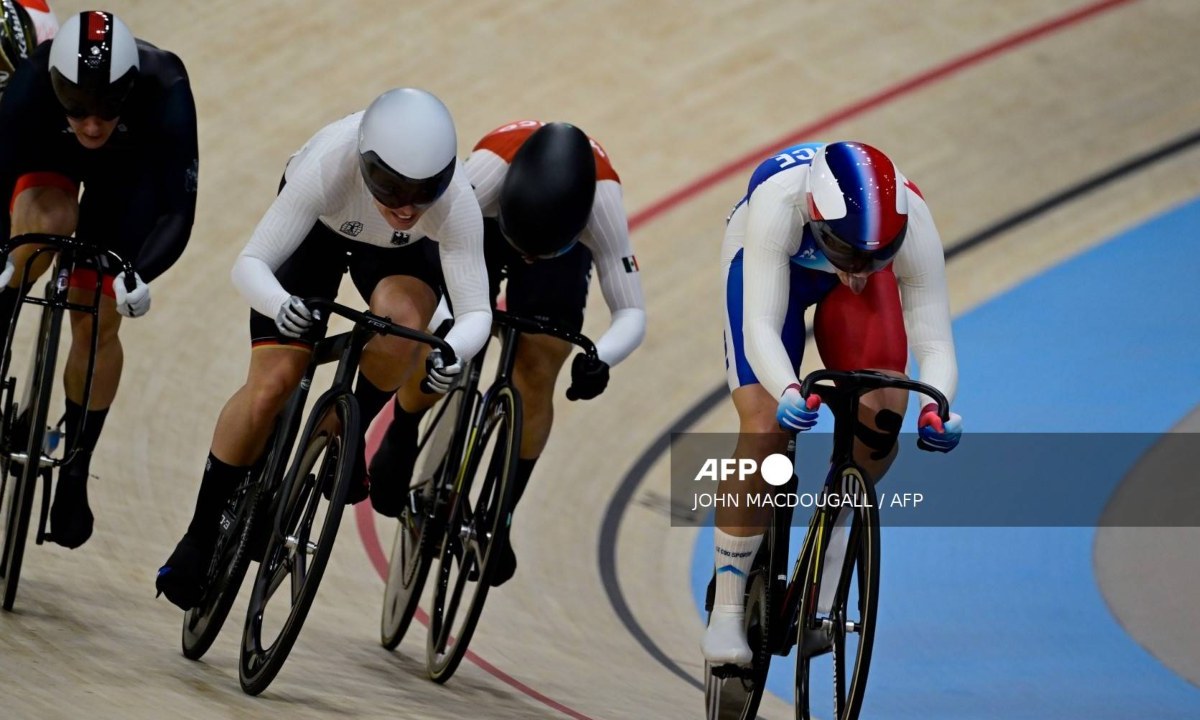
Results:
294 318
934 435
441 376
589 377
797 413
132 303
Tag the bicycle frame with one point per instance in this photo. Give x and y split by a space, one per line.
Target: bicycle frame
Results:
844 404
68 251
346 350
510 327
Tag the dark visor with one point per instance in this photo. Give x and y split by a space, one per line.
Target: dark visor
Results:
847 258
394 190
80 102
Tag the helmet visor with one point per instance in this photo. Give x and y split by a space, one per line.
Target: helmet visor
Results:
847 258
80 102
394 190
526 248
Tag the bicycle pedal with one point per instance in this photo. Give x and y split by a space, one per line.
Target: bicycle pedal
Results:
730 671
817 641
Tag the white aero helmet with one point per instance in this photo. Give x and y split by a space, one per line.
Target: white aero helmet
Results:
93 64
407 148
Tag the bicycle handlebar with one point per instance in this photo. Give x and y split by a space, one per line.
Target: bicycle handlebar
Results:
63 242
381 325
858 382
538 327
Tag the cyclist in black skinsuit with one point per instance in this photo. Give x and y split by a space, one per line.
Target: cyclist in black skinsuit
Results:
98 108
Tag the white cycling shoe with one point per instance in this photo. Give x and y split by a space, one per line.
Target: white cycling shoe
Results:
724 641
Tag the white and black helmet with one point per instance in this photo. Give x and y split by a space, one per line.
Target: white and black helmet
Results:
407 148
93 64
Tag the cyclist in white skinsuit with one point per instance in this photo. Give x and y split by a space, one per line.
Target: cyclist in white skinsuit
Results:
836 226
363 194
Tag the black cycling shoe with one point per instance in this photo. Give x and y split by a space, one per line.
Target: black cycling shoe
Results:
504 564
71 519
391 471
359 483
182 579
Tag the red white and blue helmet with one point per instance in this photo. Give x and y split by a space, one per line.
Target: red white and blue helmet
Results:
858 206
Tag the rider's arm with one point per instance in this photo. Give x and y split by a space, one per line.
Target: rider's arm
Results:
24 125
281 230
460 247
178 167
773 232
921 274
607 234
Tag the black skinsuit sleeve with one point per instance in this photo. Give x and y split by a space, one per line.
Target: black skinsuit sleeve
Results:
178 168
18 134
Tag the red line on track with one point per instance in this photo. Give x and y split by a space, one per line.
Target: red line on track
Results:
366 516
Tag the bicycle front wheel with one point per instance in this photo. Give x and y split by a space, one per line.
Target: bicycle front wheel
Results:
478 522
845 630
299 545
17 507
420 521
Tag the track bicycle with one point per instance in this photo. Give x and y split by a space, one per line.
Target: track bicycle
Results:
27 443
781 613
460 501
305 505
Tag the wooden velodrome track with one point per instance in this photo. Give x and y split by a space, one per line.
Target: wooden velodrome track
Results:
989 107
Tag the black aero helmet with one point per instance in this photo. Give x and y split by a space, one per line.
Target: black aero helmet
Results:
548 192
93 64
17 38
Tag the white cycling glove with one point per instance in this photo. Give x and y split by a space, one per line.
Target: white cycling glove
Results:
132 303
441 376
294 319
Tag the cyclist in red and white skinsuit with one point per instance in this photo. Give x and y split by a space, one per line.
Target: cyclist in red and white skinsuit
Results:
839 227
552 209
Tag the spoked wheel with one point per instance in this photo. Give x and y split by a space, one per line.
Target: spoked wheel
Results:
419 524
231 559
846 631
480 512
732 693
296 556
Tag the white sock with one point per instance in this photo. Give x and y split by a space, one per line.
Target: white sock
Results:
734 556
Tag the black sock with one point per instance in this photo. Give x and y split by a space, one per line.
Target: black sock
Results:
219 482
521 481
398 449
85 442
370 398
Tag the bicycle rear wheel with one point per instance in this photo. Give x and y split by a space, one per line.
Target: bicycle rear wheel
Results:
17 497
846 631
230 561
478 521
298 553
735 693
420 522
